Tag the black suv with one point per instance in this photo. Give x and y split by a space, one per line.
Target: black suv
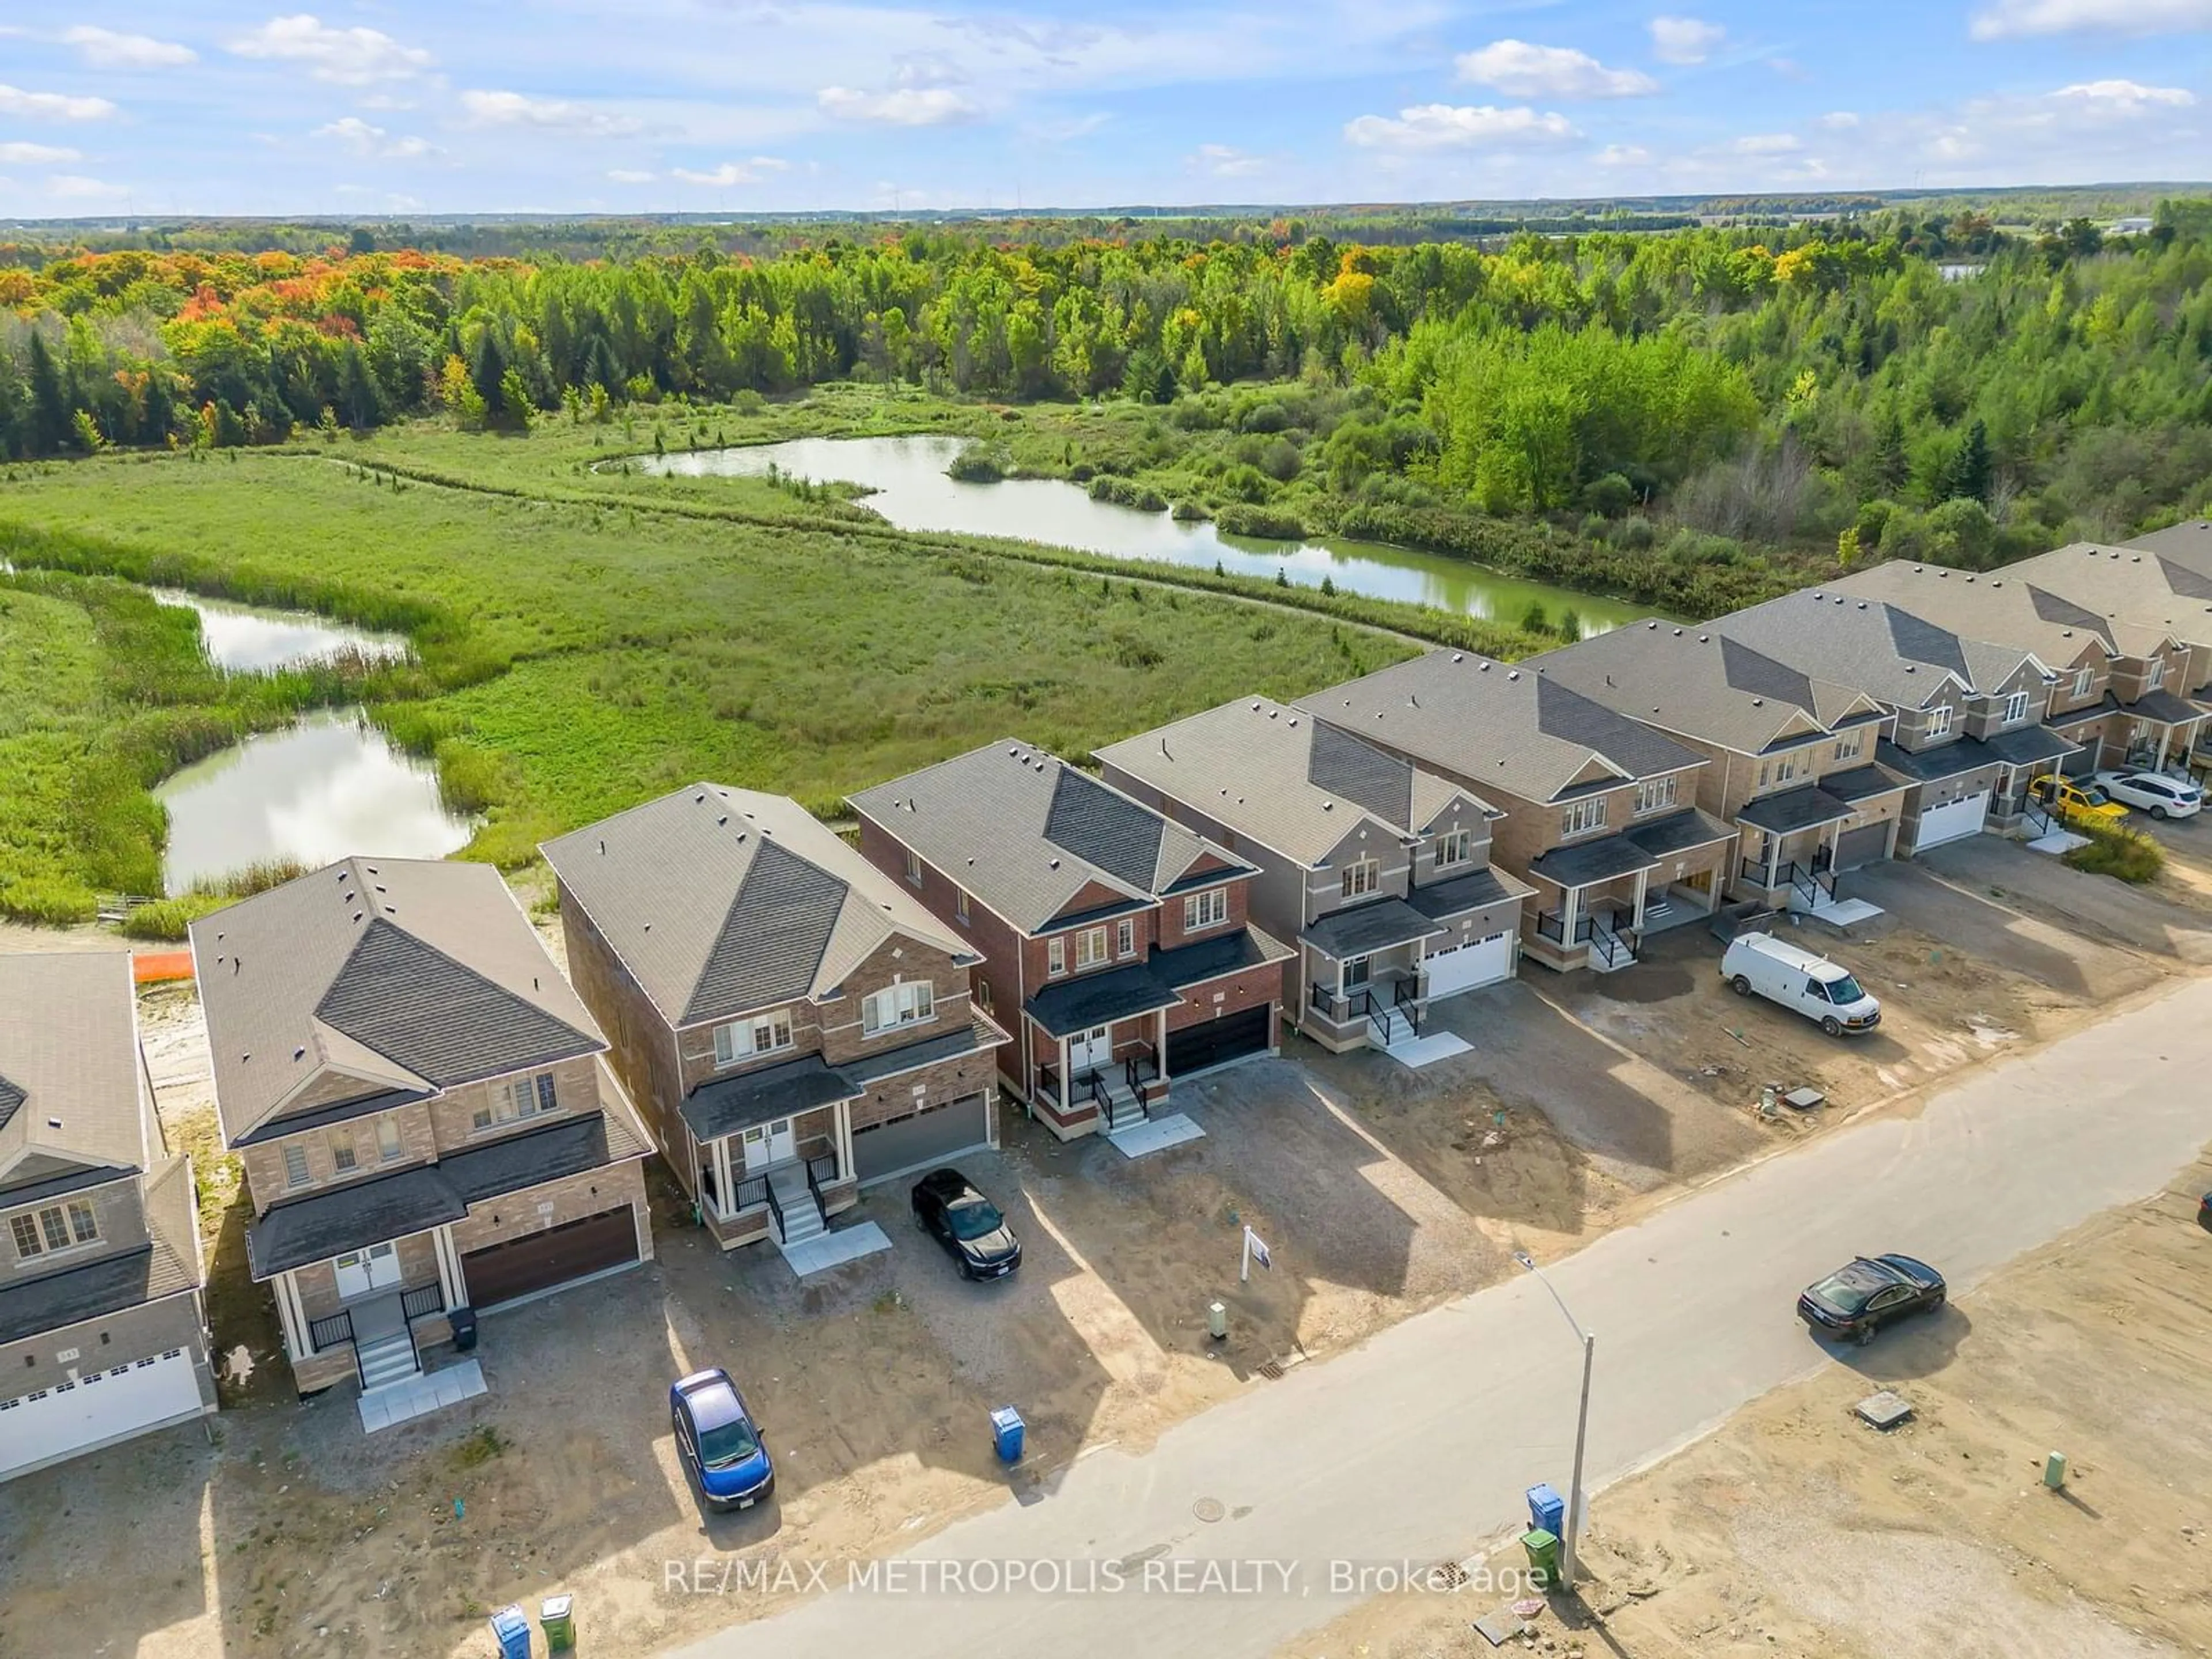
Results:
973 1234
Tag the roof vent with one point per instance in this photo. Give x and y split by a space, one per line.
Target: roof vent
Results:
1705 638
1013 749
1911 668
1055 864
1274 713
722 820
1255 708
299 1054
1328 806
1294 720
699 799
1412 701
1994 584
56 1123
1969 576
356 915
1653 624
1514 675
1942 575
1485 668
1678 633
1759 702
603 849
648 926
971 861
1918 568
1459 656
1861 605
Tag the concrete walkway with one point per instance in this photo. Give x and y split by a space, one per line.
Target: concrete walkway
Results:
1418 1445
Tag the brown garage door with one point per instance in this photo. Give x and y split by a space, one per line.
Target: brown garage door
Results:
1861 845
523 1266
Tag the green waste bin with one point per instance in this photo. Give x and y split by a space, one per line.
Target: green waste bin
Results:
1543 1549
556 1614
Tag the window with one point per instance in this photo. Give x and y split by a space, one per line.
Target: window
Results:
1089 948
2084 680
1055 958
1583 817
2156 677
1851 747
56 1227
2015 708
387 1138
1939 721
1207 909
1657 794
742 1039
914 868
983 994
1362 876
1124 938
960 904
1785 769
345 1156
295 1166
894 1005
526 1097
1454 847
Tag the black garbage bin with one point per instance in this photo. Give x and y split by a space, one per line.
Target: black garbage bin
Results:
464 1322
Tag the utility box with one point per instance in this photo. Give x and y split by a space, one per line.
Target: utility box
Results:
1007 1433
555 1616
511 1631
1547 1510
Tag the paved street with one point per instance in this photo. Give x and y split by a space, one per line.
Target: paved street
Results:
1420 1444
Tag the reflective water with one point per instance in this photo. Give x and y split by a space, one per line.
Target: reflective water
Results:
912 491
246 639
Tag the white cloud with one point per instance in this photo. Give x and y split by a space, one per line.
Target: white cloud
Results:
1522 71
363 139
351 57
1839 120
628 176
35 156
53 106
1685 39
1069 130
729 173
2016 17
1225 161
75 187
2129 97
767 164
513 109
904 106
1768 143
1458 126
1624 155
106 49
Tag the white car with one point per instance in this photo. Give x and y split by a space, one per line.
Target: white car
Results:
2159 794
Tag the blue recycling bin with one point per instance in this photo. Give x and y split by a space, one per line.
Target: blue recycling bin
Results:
1006 1432
1547 1510
512 1630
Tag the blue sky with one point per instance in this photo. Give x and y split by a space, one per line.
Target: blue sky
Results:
718 105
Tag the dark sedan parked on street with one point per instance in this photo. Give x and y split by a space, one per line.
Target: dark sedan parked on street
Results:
1857 1301
967 1224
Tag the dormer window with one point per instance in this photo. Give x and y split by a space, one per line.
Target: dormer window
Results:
1362 877
1207 909
1454 847
2084 680
1939 721
56 1227
2015 708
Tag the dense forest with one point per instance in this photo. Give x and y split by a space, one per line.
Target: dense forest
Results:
1843 389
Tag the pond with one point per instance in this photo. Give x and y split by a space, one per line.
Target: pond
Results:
330 786
244 640
911 491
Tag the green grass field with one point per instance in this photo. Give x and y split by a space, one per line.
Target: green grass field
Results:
578 655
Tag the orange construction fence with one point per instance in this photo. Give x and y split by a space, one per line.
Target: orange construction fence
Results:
153 966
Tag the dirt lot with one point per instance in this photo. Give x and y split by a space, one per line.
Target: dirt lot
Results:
1797 1530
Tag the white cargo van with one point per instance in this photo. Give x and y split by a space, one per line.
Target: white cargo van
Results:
1813 986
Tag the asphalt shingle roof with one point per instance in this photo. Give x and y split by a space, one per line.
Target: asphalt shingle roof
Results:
1859 641
1678 832
70 1075
1947 760
1591 861
1368 928
729 1105
1077 1005
2000 608
721 901
372 976
166 1264
2028 744
1794 809
1472 891
1284 777
1025 833
1496 725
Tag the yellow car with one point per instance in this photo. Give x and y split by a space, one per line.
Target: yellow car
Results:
2075 805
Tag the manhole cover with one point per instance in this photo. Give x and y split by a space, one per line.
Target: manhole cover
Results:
1209 1509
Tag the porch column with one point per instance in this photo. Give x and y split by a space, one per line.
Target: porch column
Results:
297 1342
1643 882
724 1182
1162 1056
1773 859
1570 898
449 1268
1063 1077
844 1123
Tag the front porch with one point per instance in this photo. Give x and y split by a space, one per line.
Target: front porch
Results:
1360 971
772 1152
1097 1051
1593 902
369 1314
2156 730
1791 845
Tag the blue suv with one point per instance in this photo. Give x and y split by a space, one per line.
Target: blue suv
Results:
719 1443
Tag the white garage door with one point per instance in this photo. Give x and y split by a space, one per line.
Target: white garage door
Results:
55 1423
1478 962
1961 818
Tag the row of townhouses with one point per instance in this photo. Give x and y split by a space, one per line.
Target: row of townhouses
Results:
436 1121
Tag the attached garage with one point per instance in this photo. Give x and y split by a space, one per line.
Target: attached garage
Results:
927 1137
1217 1041
1463 967
1867 844
70 1418
1955 822
524 1267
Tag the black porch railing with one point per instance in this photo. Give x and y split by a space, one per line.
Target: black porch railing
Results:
1347 1010
1095 1086
751 1190
1406 998
1607 945
1552 925
423 1302
330 1330
774 1208
821 1172
1138 1068
1811 885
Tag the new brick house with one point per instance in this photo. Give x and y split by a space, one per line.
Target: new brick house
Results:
1600 818
1379 871
422 1108
103 1331
794 1024
1116 941
1790 758
1965 728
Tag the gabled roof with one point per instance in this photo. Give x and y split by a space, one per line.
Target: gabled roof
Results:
1026 833
1288 781
375 979
71 1095
1495 725
1702 685
1881 650
2003 607
721 901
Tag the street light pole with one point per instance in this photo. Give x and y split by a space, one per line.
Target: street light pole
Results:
1588 1339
